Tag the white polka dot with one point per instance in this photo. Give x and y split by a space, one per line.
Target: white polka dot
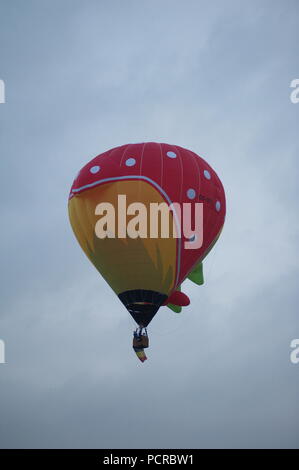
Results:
130 162
207 174
171 154
95 169
191 193
218 206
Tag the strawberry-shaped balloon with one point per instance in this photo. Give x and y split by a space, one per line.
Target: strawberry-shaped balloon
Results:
113 207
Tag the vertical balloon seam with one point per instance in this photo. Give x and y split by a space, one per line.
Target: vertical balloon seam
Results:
124 152
180 198
161 158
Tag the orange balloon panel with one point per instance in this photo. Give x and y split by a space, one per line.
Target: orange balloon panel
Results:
127 263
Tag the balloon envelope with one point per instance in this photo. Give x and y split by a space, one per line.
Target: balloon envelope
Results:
144 270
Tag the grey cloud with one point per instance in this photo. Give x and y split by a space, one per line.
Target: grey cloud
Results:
82 77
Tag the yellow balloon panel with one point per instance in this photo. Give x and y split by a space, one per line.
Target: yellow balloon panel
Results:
125 263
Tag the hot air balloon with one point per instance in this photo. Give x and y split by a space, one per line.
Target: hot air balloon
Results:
111 212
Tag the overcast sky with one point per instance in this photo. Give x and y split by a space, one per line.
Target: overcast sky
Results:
212 76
